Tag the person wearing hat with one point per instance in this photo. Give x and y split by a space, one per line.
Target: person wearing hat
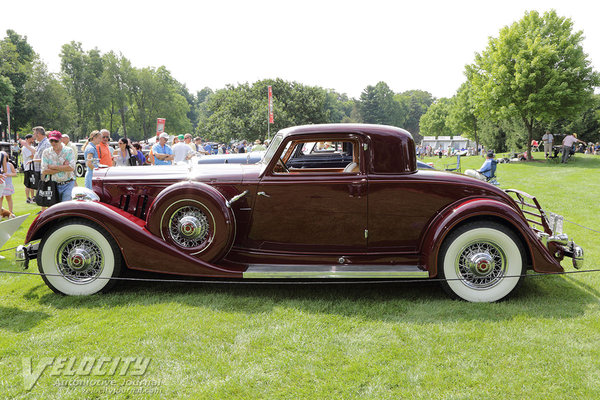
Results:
181 151
486 171
163 154
58 161
567 146
258 146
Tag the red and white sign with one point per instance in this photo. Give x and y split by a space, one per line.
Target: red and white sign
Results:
160 126
270 105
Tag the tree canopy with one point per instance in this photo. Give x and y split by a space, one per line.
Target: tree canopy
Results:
535 70
533 76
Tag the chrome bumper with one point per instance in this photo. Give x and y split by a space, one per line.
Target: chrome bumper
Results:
568 247
24 253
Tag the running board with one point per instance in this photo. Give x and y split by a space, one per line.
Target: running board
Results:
262 271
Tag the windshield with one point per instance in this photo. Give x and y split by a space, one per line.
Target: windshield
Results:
272 149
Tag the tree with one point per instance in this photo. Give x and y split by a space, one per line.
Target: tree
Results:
240 112
116 76
82 77
435 121
378 106
415 103
535 70
16 56
154 94
48 100
462 116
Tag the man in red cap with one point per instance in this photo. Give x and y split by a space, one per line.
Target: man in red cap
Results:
58 161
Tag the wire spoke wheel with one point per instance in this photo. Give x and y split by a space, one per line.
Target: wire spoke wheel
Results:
80 260
189 227
481 265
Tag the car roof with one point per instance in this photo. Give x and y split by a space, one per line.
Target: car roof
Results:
393 148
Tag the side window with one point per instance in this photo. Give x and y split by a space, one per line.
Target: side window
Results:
322 157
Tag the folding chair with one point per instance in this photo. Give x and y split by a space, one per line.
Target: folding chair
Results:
457 167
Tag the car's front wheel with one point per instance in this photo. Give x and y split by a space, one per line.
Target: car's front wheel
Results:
481 262
79 258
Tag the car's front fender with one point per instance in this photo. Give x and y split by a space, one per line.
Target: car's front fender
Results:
140 248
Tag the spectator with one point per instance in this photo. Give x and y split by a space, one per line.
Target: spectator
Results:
124 153
198 143
58 161
567 146
486 172
258 146
66 141
548 140
27 152
90 154
181 151
3 170
163 155
188 140
242 147
208 148
9 189
104 150
39 133
140 155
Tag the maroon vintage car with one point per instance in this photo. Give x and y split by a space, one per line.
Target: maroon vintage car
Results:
377 218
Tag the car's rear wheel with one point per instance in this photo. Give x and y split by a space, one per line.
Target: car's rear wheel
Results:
481 262
79 257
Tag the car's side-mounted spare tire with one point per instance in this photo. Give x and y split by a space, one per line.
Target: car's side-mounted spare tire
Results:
193 217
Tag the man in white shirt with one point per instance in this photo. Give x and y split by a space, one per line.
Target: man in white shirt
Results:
181 151
548 139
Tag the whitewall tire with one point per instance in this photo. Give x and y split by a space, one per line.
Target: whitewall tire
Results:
79 256
481 262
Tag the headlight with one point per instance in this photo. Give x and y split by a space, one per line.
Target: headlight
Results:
84 194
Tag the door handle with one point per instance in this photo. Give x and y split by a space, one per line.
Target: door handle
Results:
263 194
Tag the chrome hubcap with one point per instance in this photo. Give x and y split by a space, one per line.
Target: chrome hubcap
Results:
481 265
189 227
80 260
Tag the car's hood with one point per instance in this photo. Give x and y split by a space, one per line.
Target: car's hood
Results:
236 158
209 173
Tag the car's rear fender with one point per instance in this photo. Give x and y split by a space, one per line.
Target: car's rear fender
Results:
482 209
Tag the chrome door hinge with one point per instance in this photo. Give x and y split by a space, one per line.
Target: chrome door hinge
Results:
366 233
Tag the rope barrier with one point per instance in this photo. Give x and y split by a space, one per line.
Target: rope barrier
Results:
584 227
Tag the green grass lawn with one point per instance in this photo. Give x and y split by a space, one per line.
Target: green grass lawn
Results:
391 341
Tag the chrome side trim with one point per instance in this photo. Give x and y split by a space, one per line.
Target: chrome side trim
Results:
268 271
